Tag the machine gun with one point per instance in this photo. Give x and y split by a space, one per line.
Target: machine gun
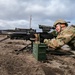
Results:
45 34
26 34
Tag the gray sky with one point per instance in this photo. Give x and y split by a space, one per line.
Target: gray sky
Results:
16 13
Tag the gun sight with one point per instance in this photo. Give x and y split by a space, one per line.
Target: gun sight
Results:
46 28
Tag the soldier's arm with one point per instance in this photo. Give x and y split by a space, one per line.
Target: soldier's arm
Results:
64 37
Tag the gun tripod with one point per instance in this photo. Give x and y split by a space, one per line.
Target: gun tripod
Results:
28 47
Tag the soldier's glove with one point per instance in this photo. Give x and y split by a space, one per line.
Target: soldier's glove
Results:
46 41
50 46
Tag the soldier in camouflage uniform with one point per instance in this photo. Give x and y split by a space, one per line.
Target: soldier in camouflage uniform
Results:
66 35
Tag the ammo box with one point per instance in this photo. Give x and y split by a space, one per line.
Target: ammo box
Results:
39 51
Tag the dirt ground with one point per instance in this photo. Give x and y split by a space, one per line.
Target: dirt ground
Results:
25 64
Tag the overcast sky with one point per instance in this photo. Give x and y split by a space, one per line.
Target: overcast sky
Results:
16 13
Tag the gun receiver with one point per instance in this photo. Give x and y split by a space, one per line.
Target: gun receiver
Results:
46 28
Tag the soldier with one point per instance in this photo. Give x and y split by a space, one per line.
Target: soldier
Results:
66 35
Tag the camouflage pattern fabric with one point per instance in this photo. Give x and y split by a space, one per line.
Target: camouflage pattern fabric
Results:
63 37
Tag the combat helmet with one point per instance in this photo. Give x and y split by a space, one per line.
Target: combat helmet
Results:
60 21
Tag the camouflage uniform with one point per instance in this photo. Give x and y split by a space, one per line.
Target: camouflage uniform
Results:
67 36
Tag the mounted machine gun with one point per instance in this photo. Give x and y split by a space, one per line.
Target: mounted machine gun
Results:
45 34
26 34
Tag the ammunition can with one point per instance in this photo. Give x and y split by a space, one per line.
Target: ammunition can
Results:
39 51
